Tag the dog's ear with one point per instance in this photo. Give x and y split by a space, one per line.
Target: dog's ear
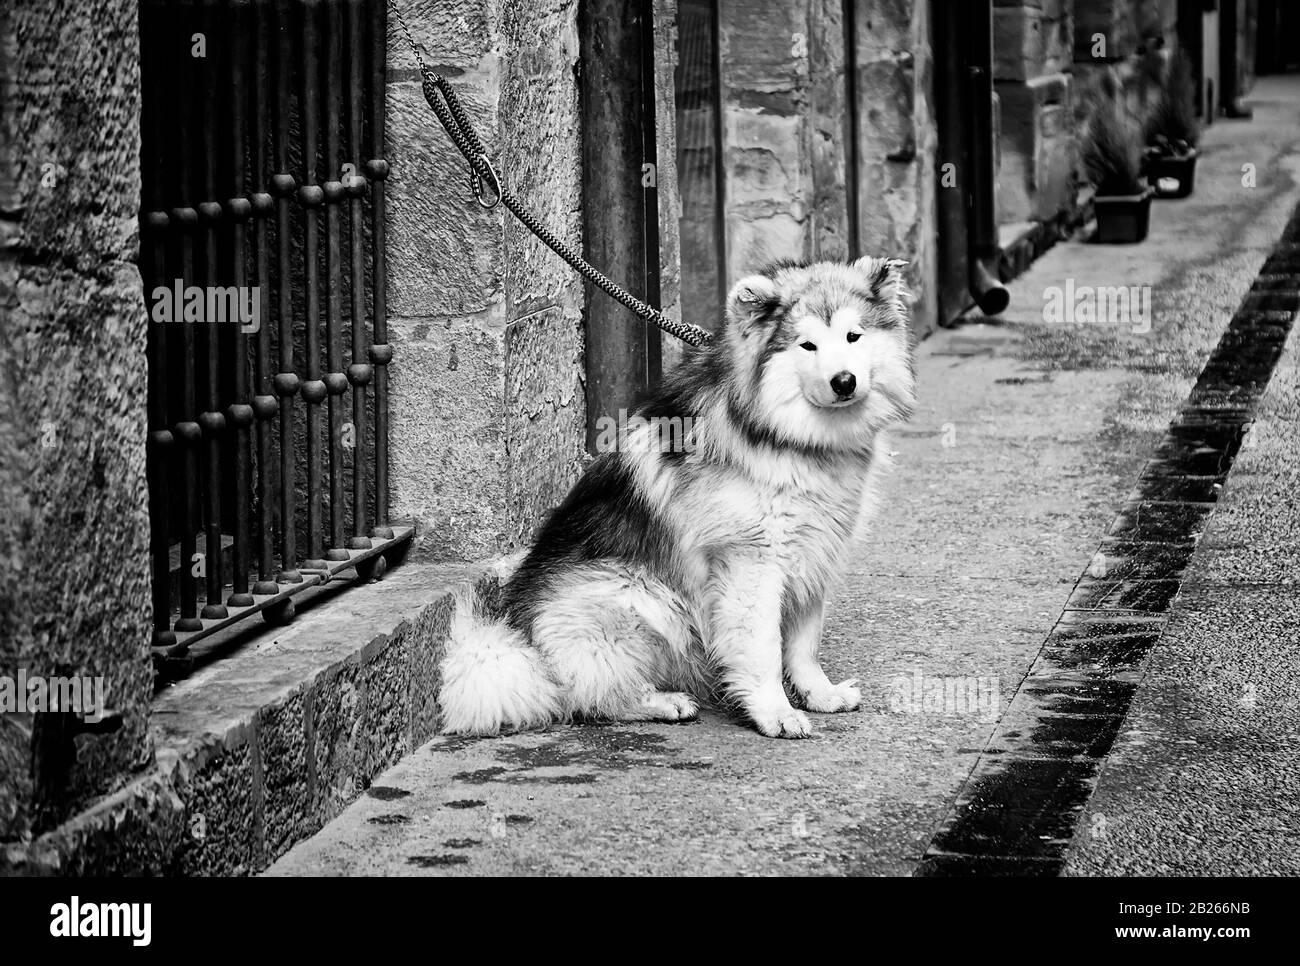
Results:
753 302
884 276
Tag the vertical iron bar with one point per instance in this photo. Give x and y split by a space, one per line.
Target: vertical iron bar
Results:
286 381
359 372
312 196
238 211
336 382
185 217
211 420
377 171
154 224
264 403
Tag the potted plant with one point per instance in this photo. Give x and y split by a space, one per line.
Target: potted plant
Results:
1172 132
1112 157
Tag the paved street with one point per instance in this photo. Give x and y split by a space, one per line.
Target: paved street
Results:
1204 778
1027 441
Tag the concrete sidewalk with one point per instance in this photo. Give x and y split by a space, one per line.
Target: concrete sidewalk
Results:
1027 439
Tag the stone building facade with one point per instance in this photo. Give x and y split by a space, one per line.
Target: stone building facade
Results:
803 178
826 149
74 531
1033 79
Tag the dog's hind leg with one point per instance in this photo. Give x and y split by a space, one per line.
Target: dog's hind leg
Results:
663 706
605 672
803 635
610 642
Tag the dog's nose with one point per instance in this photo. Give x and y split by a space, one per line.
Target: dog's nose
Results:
843 384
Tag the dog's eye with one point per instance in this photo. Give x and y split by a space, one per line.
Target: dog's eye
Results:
811 347
855 336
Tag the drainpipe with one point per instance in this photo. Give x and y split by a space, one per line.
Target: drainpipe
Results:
982 248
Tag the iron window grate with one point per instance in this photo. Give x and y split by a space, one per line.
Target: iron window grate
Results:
262 253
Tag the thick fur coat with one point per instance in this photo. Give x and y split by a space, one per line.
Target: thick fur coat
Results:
695 559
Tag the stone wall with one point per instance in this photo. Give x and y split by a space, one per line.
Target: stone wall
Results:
540 137
1034 44
74 577
897 138
766 132
786 136
259 751
831 221
784 131
487 398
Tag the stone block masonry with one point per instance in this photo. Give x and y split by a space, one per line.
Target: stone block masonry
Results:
897 139
768 177
1038 148
488 406
787 152
1033 46
1030 39
74 564
258 751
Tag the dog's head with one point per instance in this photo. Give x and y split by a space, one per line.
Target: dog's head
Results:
822 352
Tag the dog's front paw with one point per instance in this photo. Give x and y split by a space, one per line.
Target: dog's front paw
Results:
783 723
833 697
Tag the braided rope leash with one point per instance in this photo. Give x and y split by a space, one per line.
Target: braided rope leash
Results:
444 103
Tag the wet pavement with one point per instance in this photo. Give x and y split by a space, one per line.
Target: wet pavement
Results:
1040 496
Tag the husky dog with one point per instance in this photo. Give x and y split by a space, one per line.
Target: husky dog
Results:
674 572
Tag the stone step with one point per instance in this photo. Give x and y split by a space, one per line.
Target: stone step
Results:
259 750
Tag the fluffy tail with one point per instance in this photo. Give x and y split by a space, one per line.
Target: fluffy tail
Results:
493 680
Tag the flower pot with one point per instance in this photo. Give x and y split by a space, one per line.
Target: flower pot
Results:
1123 218
1172 175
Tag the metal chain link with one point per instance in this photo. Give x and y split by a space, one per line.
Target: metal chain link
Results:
462 134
